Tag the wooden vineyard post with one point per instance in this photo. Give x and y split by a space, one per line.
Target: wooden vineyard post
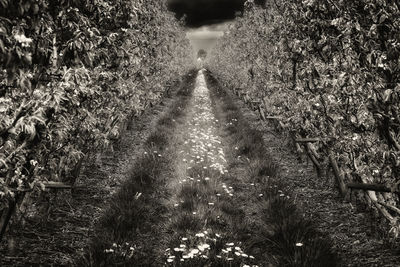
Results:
7 213
338 174
262 114
373 187
313 158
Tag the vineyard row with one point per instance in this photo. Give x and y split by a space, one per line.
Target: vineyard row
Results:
73 73
329 73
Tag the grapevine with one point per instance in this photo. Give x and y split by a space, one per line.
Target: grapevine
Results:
72 74
328 69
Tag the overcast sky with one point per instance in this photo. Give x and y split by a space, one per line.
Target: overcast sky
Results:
206 19
203 12
205 37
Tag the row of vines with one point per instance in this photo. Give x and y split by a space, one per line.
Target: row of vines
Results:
327 69
73 72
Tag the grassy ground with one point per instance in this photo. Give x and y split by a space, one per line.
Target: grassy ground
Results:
272 224
205 193
128 225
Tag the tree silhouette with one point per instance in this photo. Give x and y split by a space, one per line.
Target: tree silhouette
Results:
202 54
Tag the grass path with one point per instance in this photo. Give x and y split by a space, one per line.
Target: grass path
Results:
198 233
206 194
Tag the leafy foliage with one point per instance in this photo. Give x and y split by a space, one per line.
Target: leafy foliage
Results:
329 69
72 73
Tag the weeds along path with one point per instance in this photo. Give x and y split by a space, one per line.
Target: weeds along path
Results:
226 205
205 193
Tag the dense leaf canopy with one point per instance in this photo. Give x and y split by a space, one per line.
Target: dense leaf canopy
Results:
72 73
330 69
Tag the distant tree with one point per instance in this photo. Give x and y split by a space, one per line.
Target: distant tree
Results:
202 54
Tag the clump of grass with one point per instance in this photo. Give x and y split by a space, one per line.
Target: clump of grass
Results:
188 191
158 140
294 239
186 222
198 171
261 169
231 208
166 121
250 143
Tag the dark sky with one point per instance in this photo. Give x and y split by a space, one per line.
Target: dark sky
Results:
204 12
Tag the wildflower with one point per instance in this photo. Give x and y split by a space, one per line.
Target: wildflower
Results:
203 247
245 255
23 40
170 260
251 257
260 195
229 259
200 235
299 244
211 204
282 195
194 251
237 253
184 239
194 213
109 250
